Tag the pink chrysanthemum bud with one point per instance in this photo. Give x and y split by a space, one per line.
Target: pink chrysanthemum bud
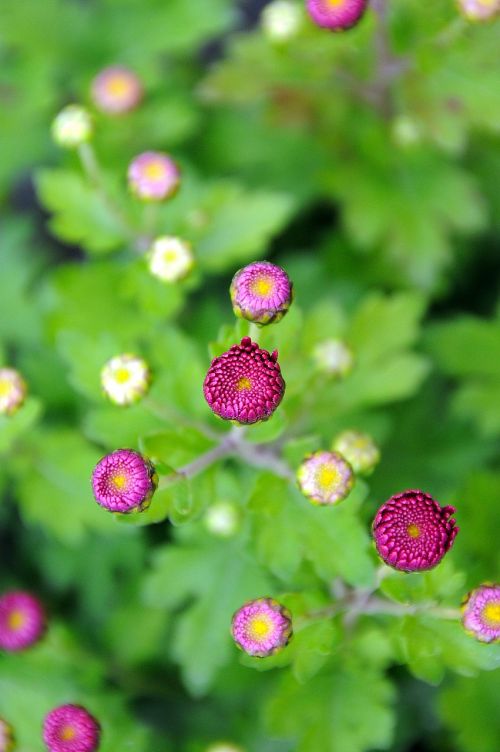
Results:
481 613
359 450
245 383
22 621
71 728
336 15
124 481
262 627
153 176
72 127
125 379
479 10
261 292
325 478
412 532
6 737
12 391
116 90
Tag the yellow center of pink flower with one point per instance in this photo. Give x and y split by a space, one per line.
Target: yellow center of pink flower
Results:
5 387
491 613
262 285
259 627
413 531
243 384
67 733
154 170
16 620
334 3
327 477
117 86
119 480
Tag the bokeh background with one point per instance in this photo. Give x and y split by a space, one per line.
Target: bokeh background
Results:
368 165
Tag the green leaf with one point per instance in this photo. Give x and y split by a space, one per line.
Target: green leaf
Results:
12 427
470 709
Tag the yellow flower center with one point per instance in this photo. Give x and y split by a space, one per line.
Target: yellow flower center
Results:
122 375
67 733
263 285
334 3
170 256
16 620
154 171
491 613
119 480
5 387
243 384
413 531
117 86
259 627
327 477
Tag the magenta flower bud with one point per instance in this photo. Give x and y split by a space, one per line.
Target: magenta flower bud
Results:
12 391
71 728
481 613
124 481
6 737
262 627
325 478
261 292
116 90
245 383
336 15
479 10
412 532
153 176
22 621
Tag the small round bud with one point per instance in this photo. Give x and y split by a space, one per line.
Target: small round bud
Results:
245 383
116 90
481 613
6 737
262 627
325 478
281 20
12 391
125 379
479 10
22 621
224 747
124 481
71 728
336 15
222 519
359 449
153 176
72 127
412 532
170 259
405 131
261 292
333 357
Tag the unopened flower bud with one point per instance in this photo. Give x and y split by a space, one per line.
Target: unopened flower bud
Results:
125 379
333 356
71 728
359 449
261 292
153 176
124 481
336 15
479 10
281 20
12 391
481 613
22 621
325 478
262 627
224 747
116 90
222 519
170 259
72 127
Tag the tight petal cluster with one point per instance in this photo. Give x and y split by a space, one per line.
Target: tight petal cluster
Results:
359 450
261 292
412 532
337 15
71 728
325 478
244 384
72 127
6 737
125 379
479 10
333 357
153 176
262 627
22 621
12 391
116 90
124 481
481 613
281 20
170 258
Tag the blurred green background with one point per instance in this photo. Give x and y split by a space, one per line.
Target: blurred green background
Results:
367 164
